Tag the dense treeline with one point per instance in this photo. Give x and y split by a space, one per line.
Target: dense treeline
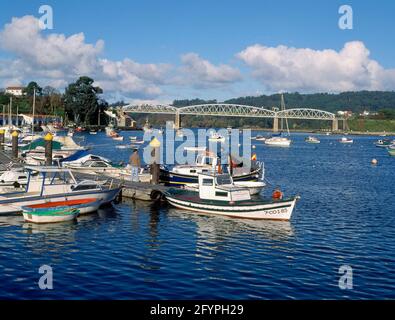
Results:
82 102
352 101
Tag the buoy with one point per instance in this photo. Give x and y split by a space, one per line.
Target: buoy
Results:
374 161
253 147
277 194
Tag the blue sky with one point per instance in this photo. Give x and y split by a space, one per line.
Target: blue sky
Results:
161 32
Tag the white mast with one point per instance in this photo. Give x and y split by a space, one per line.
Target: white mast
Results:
282 109
10 113
34 108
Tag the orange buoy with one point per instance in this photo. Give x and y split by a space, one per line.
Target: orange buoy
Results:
277 194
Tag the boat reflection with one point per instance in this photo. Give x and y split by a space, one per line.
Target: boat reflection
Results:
219 227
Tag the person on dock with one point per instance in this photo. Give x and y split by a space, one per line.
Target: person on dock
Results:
135 164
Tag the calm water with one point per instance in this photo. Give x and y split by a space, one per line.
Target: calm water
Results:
139 250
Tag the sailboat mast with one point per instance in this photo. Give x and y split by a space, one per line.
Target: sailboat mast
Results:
10 113
282 109
34 108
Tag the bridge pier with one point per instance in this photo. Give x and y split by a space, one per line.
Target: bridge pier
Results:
335 125
177 122
275 123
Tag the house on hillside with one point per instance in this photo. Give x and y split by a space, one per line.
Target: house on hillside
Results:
125 120
15 91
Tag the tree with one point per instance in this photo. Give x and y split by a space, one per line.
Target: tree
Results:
81 100
29 90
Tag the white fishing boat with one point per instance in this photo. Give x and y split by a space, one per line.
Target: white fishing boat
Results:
206 162
55 184
345 140
278 142
217 195
254 187
311 139
133 138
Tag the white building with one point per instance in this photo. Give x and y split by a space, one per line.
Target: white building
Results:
15 91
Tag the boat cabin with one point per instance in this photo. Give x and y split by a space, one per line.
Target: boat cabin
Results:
220 187
205 163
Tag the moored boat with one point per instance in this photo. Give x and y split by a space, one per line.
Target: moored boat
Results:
206 162
59 211
216 197
278 142
54 184
216 137
346 140
311 139
384 143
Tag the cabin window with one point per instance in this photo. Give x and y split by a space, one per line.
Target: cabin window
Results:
21 177
208 161
207 182
192 171
83 187
221 194
223 180
99 165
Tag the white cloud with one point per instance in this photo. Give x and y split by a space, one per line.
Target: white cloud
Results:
307 70
201 73
57 60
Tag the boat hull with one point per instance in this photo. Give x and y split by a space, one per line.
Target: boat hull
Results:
178 180
10 206
276 210
31 217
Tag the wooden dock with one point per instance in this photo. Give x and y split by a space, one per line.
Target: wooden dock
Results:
134 190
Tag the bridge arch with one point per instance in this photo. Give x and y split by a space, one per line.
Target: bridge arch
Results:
306 114
226 110
150 108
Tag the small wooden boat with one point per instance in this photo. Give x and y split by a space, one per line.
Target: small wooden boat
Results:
218 196
384 143
58 211
346 140
311 139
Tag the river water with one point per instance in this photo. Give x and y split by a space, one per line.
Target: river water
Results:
138 250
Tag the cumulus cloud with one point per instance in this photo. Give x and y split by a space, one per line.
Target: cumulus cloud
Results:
285 68
56 60
202 73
